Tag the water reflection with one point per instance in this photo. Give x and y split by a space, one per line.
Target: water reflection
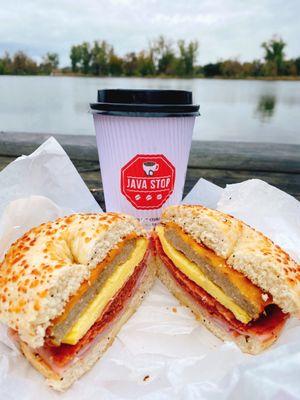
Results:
266 107
231 110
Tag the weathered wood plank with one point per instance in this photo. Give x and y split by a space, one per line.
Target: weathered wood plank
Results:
204 154
16 143
219 162
289 182
245 156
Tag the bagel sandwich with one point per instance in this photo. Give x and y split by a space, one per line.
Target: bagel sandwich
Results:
236 281
68 286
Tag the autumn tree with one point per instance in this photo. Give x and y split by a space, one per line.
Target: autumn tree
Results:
115 64
49 64
145 64
23 65
231 68
130 64
163 55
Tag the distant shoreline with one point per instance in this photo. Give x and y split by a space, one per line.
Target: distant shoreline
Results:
249 78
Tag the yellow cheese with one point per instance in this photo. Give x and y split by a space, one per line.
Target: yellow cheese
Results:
113 284
192 271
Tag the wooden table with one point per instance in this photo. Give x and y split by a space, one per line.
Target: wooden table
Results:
218 162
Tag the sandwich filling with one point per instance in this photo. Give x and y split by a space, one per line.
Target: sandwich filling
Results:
85 307
96 304
207 278
89 289
59 358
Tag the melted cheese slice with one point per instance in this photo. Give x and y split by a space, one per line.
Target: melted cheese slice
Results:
113 284
192 271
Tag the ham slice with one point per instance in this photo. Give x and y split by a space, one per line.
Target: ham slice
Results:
270 321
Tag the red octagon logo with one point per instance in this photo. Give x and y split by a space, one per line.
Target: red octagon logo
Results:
147 181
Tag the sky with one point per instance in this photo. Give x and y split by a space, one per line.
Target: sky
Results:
224 28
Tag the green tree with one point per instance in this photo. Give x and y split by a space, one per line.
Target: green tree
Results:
274 55
187 57
212 69
81 56
297 63
86 56
75 56
53 60
100 58
6 64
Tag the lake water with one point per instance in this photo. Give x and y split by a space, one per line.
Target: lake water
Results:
263 111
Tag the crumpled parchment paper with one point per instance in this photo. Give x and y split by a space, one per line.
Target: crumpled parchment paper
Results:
162 352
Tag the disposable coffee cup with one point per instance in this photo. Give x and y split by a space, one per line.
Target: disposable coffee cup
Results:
144 139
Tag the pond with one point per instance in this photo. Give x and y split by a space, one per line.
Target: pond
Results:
231 110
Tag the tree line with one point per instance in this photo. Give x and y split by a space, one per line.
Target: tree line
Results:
100 59
21 64
161 58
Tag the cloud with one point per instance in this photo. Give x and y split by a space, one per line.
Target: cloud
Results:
224 28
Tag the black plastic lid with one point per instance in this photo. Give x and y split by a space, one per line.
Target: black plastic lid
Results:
145 103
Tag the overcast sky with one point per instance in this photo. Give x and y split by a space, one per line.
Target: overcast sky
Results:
224 28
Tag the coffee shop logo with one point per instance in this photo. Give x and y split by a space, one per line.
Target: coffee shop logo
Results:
150 167
147 181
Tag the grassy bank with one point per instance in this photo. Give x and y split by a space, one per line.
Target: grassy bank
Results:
248 78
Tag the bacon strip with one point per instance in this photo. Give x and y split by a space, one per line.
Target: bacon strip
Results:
270 321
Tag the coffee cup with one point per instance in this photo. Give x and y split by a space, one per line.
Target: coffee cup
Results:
143 139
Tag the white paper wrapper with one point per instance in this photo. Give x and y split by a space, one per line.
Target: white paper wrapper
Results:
38 188
269 210
162 352
204 192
